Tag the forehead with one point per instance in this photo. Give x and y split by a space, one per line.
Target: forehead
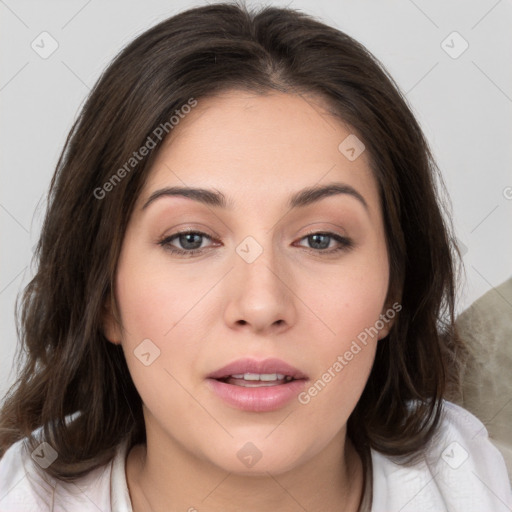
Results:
259 146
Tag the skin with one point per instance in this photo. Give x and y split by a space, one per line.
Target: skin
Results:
209 309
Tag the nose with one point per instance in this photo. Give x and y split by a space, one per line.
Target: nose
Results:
260 294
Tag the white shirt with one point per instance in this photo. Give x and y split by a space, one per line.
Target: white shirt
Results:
460 471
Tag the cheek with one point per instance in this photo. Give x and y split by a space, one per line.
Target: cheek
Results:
345 353
349 298
350 306
140 305
152 308
152 301
332 396
160 306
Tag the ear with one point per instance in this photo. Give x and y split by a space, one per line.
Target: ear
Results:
387 318
111 327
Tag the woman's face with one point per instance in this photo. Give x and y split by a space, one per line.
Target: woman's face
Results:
259 287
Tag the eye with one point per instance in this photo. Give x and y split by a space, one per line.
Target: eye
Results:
191 242
320 241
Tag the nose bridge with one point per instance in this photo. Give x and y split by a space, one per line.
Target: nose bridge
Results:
260 263
261 293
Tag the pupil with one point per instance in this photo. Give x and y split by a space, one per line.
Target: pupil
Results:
316 244
186 237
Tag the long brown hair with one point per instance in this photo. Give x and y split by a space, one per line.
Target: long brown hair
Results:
70 367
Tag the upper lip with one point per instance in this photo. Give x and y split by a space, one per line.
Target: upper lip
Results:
266 366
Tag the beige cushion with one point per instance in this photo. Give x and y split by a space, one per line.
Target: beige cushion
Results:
486 327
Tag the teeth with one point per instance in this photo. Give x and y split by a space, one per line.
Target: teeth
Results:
267 377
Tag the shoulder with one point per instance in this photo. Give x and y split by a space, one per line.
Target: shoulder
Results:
459 470
25 486
22 486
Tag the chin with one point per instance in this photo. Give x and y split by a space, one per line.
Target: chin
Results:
258 457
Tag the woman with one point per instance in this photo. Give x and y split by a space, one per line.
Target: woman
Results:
298 353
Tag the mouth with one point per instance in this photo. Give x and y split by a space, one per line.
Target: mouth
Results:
257 386
253 373
257 380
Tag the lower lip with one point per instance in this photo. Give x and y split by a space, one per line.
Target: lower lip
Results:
257 399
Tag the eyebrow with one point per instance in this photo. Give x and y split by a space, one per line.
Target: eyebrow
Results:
215 198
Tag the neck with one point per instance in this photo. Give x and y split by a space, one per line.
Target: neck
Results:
158 478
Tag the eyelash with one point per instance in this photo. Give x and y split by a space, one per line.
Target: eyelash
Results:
345 243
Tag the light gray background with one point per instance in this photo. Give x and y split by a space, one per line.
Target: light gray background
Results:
464 106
